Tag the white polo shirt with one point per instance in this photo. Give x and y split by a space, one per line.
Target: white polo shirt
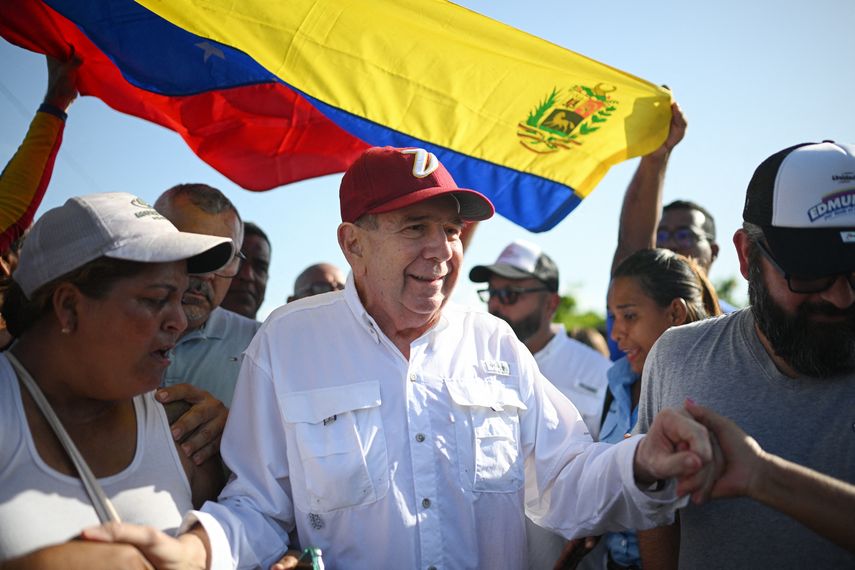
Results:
579 372
427 463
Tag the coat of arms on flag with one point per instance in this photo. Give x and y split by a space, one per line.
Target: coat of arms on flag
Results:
563 118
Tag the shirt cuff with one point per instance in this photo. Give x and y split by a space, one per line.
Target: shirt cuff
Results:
659 506
53 110
221 553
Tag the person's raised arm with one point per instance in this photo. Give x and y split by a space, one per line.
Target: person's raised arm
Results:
824 504
642 203
24 180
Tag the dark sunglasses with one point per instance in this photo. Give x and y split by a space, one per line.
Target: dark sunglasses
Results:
507 295
684 237
802 284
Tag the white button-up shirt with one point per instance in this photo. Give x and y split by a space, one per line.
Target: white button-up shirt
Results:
388 463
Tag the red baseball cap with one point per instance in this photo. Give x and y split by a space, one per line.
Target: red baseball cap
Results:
386 178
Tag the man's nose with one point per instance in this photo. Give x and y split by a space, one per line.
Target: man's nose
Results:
840 294
493 304
439 245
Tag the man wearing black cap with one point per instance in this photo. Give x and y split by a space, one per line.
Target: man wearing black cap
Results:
395 430
784 368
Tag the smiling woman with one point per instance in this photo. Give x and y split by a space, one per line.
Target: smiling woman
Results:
652 290
94 306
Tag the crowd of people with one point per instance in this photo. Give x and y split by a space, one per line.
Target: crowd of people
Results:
149 420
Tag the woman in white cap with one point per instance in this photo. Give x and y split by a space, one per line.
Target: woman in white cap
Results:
95 307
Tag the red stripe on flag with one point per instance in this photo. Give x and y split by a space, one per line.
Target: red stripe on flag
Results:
260 136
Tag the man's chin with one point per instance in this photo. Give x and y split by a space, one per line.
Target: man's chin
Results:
196 314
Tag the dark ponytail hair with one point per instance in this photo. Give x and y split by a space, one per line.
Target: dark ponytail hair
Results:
664 276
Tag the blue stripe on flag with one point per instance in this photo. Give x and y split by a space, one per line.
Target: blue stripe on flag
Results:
528 200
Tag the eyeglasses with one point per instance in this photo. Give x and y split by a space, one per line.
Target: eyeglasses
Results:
684 237
232 268
507 295
317 288
806 285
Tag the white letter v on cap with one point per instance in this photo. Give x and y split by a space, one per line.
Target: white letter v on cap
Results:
425 162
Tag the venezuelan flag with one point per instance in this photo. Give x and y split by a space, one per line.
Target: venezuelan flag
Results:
530 124
231 112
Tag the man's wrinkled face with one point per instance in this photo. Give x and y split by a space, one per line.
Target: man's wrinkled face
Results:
208 290
682 231
410 263
813 333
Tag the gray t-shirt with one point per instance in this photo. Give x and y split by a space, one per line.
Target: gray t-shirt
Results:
721 364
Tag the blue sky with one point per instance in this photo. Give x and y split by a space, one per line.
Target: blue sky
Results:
752 78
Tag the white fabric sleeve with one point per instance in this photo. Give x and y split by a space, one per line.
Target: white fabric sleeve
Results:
221 554
574 486
254 513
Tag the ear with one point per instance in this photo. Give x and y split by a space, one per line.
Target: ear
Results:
713 251
552 303
67 301
350 241
742 243
678 311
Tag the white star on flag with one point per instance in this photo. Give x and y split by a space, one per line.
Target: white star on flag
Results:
210 49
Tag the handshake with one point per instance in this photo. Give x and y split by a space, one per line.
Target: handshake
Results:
711 457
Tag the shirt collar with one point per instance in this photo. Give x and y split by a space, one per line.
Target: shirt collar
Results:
214 327
353 301
559 335
368 323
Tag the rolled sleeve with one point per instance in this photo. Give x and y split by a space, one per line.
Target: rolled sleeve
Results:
656 506
221 553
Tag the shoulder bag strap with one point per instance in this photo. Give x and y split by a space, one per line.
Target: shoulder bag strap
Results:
103 507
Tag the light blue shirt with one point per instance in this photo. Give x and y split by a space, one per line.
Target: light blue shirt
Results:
623 546
210 356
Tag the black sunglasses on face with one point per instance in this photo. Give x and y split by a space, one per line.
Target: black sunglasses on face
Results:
507 295
802 284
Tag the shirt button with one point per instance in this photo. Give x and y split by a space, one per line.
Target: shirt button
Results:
426 503
420 437
413 377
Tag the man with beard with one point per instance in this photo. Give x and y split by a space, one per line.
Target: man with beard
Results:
783 369
246 293
523 291
209 353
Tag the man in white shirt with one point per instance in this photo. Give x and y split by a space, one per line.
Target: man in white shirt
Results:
396 431
523 291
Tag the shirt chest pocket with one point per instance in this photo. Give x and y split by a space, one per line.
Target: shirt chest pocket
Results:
487 427
342 450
